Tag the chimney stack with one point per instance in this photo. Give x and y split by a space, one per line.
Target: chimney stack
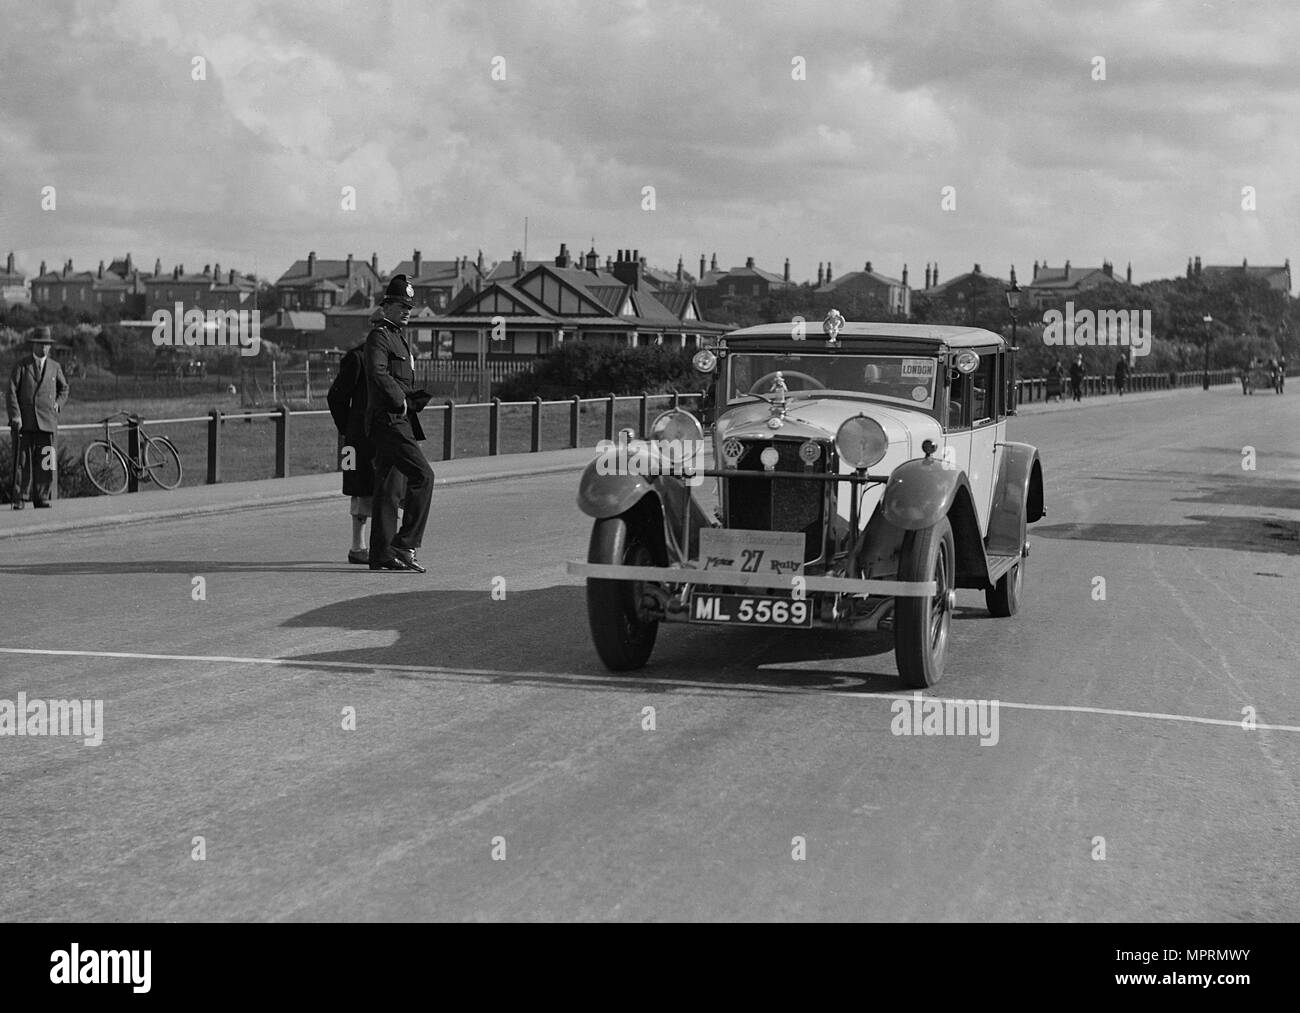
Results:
9 262
1035 269
702 271
216 273
349 267
1067 270
1198 266
311 263
1128 273
157 267
927 274
42 267
976 270
936 273
207 270
904 276
415 263
713 263
593 261
374 263
681 267
232 277
821 274
1189 267
828 272
100 275
749 262
867 268
786 275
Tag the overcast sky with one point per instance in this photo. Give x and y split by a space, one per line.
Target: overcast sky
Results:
697 100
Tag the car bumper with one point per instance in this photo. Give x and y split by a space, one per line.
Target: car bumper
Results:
736 578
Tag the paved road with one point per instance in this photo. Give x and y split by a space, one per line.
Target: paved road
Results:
481 719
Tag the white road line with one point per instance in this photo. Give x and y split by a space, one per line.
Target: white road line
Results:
357 666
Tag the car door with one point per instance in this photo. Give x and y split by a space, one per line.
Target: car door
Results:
987 426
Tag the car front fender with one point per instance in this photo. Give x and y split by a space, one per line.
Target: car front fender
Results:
920 493
608 495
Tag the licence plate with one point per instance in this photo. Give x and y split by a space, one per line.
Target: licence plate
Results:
750 610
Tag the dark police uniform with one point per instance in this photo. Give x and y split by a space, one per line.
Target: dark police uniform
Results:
394 428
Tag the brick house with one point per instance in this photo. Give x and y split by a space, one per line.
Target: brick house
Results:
13 284
571 299
438 282
1277 277
313 284
213 289
865 292
748 282
1056 284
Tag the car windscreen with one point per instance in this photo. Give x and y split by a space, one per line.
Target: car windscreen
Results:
902 379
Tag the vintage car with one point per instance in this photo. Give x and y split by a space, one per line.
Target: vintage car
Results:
863 476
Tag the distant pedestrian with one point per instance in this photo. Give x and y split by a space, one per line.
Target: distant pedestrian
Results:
1076 378
1055 382
36 395
392 423
347 404
1121 374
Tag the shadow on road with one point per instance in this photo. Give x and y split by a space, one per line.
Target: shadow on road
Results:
519 640
1238 534
124 566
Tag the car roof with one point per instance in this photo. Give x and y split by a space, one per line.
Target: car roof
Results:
854 334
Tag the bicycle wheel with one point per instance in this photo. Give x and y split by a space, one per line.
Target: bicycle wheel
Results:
105 467
162 464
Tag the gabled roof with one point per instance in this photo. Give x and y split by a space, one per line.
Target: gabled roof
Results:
76 277
297 274
1060 278
713 277
856 276
944 286
1281 272
434 270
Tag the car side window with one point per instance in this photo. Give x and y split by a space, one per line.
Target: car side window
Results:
959 400
984 387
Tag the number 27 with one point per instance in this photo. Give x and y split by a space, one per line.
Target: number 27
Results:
753 557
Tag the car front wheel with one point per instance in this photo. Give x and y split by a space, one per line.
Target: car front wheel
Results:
623 637
921 625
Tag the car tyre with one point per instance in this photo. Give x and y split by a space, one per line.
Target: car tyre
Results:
922 625
1003 599
623 639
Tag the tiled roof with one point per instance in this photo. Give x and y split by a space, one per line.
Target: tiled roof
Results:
297 274
844 279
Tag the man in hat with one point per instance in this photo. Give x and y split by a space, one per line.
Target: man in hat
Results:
37 392
393 426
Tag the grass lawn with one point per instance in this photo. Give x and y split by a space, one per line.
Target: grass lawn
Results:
248 446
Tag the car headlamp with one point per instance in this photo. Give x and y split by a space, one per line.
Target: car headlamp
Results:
676 426
861 442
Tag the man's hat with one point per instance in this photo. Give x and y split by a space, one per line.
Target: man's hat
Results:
400 290
41 336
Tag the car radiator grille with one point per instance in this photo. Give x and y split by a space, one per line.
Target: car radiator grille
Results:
778 504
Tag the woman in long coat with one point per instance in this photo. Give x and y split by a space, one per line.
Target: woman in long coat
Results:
347 404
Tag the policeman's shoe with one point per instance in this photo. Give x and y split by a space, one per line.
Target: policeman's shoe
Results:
391 564
407 556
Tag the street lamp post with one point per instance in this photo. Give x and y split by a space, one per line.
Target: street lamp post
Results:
1205 379
1013 305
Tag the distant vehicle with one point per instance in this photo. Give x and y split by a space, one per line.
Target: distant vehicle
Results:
863 477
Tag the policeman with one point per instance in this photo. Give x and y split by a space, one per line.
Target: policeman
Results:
393 426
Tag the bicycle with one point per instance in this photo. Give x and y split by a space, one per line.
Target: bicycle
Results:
109 467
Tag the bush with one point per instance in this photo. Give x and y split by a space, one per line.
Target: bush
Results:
590 370
73 480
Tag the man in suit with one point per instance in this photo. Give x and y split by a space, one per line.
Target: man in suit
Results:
393 426
36 395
